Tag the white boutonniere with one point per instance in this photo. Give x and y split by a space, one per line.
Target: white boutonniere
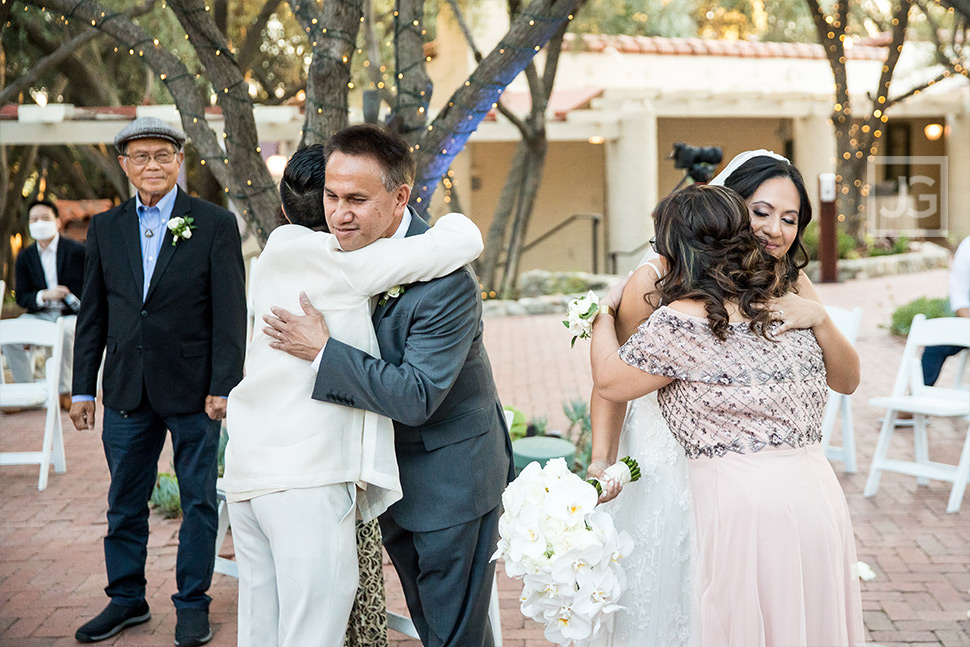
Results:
181 228
393 293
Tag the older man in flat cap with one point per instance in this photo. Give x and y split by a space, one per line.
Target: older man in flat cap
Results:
164 295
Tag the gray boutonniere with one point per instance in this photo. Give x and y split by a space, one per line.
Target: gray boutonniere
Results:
181 228
393 293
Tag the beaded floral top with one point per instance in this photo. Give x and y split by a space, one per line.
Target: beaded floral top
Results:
741 395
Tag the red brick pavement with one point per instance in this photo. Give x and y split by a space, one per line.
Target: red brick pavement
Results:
51 562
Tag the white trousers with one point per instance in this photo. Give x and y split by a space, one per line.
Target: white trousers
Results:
297 557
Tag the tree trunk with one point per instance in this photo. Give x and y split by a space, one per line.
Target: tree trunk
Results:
333 37
257 197
412 80
11 219
495 240
532 179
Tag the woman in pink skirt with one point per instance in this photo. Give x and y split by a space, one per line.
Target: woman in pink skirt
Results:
773 551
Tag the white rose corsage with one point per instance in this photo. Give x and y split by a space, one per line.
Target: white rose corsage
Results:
393 293
580 313
181 228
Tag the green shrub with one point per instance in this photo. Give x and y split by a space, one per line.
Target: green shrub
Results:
165 496
538 426
577 412
223 440
903 316
519 428
888 246
845 244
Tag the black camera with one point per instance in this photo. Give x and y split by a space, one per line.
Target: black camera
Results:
699 161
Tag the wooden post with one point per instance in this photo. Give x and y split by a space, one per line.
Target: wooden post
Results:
828 251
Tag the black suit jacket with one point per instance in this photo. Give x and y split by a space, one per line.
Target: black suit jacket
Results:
187 339
30 273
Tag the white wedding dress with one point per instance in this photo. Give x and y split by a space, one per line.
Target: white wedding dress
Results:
656 512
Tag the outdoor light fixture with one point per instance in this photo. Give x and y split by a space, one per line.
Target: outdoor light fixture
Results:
597 139
933 131
276 164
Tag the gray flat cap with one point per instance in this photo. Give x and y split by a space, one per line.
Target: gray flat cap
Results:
149 128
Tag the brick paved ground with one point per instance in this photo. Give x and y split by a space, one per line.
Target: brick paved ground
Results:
51 563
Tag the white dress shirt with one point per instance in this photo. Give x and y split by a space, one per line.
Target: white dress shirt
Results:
48 260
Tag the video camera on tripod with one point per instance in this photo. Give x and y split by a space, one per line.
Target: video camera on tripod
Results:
699 162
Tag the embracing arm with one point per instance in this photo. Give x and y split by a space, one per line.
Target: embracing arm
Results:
616 380
805 310
607 416
454 241
439 338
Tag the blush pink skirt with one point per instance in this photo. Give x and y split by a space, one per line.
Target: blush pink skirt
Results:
774 554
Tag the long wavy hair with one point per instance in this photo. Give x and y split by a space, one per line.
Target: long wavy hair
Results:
705 234
756 171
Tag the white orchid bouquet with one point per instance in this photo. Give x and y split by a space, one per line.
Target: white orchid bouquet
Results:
567 552
580 313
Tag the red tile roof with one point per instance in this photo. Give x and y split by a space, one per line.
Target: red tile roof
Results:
710 47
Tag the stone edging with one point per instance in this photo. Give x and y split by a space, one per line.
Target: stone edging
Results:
928 256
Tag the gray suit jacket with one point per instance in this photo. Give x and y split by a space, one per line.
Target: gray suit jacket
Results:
435 382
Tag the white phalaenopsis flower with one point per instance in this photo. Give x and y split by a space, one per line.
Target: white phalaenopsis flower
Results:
580 314
567 552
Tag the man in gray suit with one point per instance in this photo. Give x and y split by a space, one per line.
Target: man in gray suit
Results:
433 379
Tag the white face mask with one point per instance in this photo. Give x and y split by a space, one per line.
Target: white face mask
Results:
42 229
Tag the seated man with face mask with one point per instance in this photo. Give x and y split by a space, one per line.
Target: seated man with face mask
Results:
50 274
299 471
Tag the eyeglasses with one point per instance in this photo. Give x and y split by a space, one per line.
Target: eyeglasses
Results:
141 158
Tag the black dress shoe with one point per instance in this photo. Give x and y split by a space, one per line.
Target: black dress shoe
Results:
192 627
113 619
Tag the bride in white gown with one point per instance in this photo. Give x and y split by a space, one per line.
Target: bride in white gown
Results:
656 509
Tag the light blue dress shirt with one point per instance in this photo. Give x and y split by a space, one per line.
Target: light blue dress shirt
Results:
154 219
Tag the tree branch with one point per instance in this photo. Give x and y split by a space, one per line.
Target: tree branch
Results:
499 105
254 35
413 83
472 101
258 198
333 38
189 101
10 92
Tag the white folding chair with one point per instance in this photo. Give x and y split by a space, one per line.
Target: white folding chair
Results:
35 394
223 565
962 371
847 321
910 394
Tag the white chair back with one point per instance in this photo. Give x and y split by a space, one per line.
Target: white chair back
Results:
37 333
948 331
839 406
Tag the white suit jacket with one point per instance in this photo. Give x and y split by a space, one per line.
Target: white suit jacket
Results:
279 437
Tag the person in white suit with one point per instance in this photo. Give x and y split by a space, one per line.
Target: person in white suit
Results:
299 471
